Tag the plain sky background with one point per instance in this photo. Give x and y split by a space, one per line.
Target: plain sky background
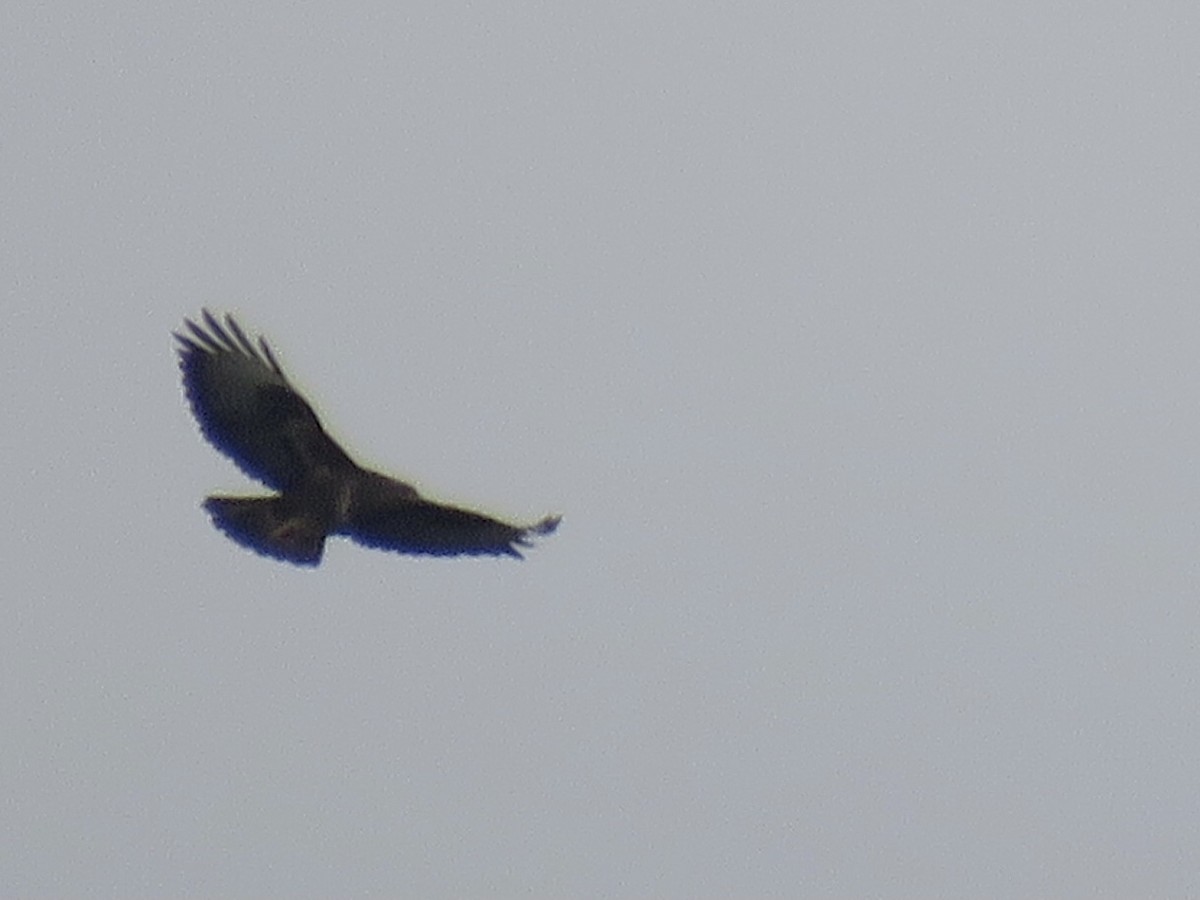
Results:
856 342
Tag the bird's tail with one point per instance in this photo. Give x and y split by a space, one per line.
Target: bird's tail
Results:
265 526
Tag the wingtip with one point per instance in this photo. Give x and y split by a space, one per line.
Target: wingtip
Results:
544 527
548 525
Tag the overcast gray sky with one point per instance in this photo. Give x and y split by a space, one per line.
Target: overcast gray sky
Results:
856 342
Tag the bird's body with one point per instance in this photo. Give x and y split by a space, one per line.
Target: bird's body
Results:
248 410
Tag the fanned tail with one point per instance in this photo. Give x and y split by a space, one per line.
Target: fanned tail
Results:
263 525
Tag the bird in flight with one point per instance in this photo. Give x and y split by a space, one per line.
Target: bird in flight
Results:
250 412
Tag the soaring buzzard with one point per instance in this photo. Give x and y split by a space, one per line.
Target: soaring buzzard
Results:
248 410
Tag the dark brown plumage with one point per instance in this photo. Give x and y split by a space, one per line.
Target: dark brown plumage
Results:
248 410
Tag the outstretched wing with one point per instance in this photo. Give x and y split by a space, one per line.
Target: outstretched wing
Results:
248 410
390 515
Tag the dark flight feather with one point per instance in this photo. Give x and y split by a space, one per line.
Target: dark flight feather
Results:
249 411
